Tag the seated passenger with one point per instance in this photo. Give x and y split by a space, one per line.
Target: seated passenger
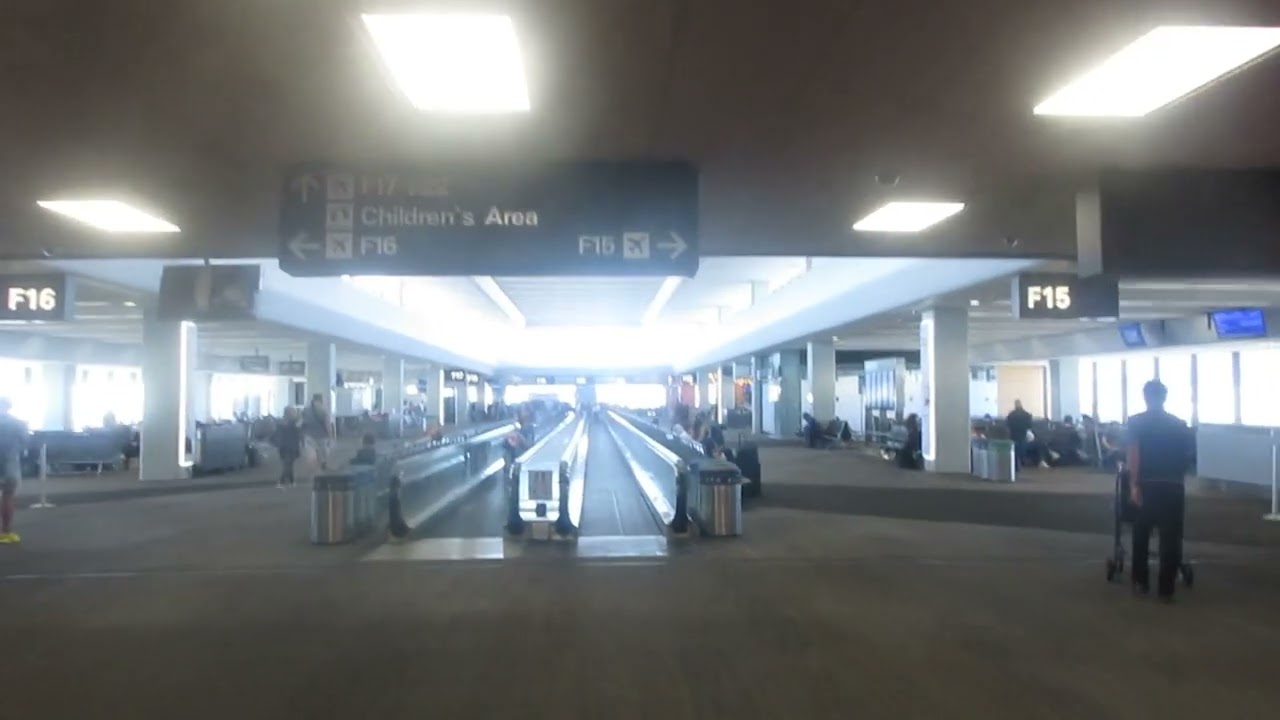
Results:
812 433
368 452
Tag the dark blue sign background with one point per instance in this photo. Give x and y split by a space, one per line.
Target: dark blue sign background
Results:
582 219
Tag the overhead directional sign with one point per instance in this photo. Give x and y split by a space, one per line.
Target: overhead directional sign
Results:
581 219
1041 296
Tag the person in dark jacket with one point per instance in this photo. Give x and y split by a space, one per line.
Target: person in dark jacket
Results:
288 441
909 454
1019 422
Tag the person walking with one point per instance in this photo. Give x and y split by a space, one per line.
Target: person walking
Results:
1158 457
13 440
288 441
1019 422
317 427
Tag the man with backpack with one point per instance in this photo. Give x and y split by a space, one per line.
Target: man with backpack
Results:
13 440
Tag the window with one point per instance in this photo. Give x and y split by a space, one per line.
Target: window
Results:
102 389
1175 373
1215 383
23 384
1084 387
1110 398
1259 389
1138 370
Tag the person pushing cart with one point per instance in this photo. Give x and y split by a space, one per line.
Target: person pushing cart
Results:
1157 459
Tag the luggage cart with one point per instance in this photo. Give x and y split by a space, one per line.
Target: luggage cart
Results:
1125 513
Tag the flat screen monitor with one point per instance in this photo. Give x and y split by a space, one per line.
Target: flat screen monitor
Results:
1239 323
1132 335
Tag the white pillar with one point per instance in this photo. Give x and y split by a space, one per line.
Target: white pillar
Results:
944 380
393 393
59 379
1064 388
757 394
433 392
728 373
822 379
168 360
322 371
705 389
787 409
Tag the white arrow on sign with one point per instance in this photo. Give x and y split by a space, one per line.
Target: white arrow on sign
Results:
676 245
299 246
304 185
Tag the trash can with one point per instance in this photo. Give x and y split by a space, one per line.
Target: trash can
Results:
978 452
334 509
1001 461
719 503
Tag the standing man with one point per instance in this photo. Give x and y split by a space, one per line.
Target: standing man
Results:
317 426
1019 422
13 440
1158 457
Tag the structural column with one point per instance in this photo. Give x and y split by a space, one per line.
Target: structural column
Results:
60 378
728 375
322 371
705 389
787 408
168 363
757 394
944 380
822 379
393 394
432 386
1064 388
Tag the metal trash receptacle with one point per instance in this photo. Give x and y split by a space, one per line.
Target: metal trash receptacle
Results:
719 502
1002 463
978 453
334 509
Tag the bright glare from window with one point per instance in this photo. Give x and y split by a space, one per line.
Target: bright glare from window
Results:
112 216
1165 64
907 217
453 63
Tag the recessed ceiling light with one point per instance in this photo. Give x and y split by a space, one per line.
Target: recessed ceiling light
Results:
902 216
975 303
112 216
1165 64
453 63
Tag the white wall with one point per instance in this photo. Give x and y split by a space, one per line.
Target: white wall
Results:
1025 382
983 395
849 402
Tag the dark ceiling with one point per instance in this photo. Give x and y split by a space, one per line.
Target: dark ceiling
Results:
790 109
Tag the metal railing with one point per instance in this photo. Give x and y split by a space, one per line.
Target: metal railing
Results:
540 478
406 486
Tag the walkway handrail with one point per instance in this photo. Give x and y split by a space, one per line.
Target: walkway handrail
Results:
515 523
679 522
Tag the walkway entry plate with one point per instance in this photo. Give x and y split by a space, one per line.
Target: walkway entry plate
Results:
580 219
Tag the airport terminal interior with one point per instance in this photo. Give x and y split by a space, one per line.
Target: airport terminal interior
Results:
559 358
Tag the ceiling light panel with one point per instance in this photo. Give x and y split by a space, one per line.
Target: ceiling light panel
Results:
907 216
453 63
1165 64
111 216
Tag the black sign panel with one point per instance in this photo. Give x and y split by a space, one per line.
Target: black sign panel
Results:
36 297
1179 223
209 292
255 363
294 368
1039 296
582 219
